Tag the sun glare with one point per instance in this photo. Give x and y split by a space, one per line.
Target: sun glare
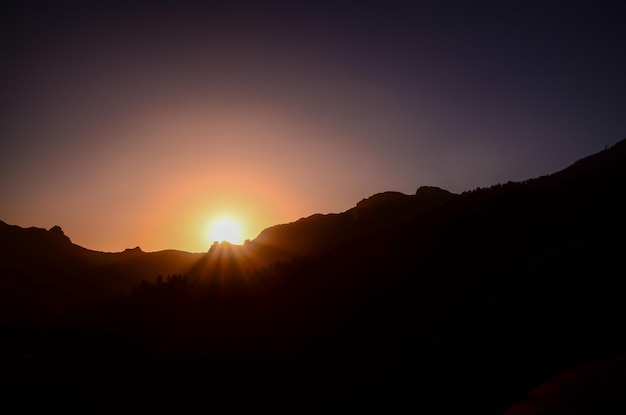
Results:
226 230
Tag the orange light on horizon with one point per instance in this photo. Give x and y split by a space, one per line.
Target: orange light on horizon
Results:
176 169
226 229
183 218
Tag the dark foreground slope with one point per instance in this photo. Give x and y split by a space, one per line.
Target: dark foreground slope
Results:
462 307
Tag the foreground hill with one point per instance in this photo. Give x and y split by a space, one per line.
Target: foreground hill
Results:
432 302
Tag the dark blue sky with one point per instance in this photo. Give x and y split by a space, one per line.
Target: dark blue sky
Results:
117 118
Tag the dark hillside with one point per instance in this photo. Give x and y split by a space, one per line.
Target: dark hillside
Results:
43 272
319 233
434 303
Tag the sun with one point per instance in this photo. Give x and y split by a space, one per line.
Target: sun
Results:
226 230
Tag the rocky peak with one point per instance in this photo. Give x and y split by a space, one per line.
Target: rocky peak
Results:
382 199
57 234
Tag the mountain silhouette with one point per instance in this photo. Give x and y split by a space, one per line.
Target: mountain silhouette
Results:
52 252
44 271
432 302
319 232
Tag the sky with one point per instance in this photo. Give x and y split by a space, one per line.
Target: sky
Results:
138 124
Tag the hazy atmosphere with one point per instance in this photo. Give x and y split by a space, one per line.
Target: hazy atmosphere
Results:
140 124
281 207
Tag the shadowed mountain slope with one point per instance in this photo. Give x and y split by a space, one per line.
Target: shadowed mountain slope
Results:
318 233
431 302
42 270
35 257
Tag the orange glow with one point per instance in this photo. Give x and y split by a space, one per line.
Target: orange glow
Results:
226 229
168 171
183 216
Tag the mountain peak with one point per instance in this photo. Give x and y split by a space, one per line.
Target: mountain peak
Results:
56 230
135 250
56 233
430 191
382 199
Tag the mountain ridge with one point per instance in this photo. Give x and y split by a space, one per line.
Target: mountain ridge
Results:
593 162
402 301
312 235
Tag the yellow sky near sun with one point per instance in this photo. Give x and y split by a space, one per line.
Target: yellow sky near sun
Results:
158 178
183 219
191 166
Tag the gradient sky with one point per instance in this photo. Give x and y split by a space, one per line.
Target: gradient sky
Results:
137 124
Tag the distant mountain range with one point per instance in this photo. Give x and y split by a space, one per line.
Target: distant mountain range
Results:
374 214
402 300
51 258
43 271
68 272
